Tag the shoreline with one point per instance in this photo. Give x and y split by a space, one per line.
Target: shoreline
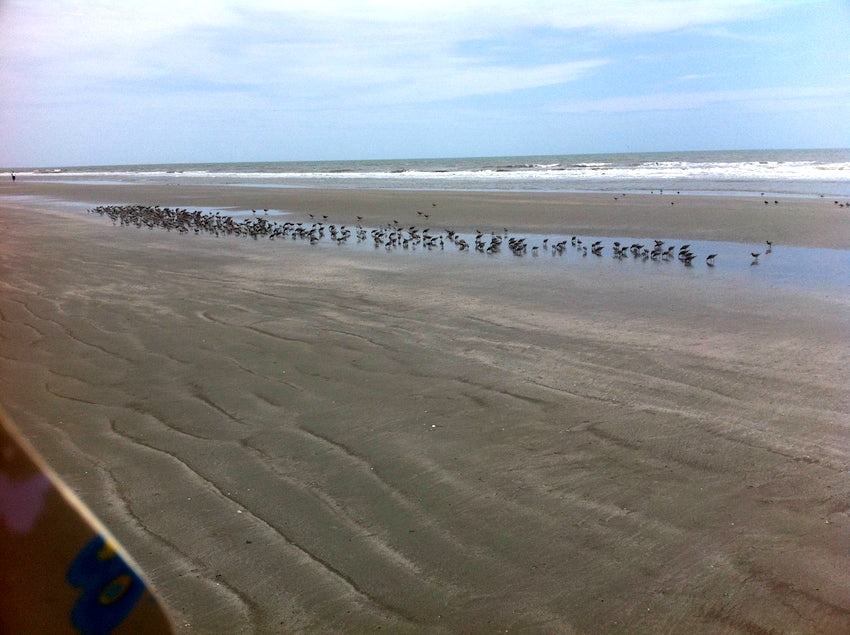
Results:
325 440
678 191
791 221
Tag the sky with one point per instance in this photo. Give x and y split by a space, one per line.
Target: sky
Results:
99 82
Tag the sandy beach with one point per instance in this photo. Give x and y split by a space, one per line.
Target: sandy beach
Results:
291 439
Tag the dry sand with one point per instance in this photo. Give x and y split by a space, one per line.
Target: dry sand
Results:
297 439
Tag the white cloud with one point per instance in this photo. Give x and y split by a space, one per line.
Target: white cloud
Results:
477 17
133 37
696 76
154 60
791 96
426 85
297 52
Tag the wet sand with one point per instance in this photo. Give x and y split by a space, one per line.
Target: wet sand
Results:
297 439
793 221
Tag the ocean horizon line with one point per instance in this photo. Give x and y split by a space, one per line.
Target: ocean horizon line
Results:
808 172
451 157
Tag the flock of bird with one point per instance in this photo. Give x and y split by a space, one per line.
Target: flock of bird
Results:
390 236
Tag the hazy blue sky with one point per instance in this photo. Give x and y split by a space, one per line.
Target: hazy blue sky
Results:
106 82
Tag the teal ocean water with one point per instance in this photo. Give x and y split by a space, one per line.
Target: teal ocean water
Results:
782 172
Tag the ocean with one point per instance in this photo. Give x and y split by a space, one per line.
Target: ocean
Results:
807 173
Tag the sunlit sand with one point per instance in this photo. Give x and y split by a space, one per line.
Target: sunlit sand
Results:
341 437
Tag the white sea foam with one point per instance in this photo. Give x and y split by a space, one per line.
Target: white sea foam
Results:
740 171
767 170
796 172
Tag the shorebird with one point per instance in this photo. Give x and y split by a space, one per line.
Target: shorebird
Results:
709 259
755 256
